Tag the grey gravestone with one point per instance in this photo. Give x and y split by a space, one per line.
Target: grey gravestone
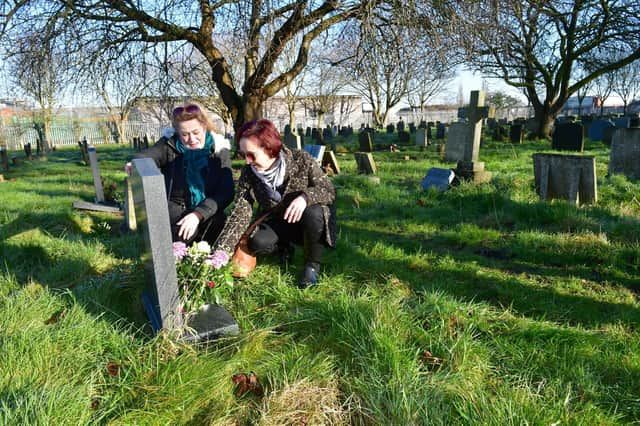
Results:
596 131
625 153
412 127
287 129
568 177
421 138
441 130
456 144
330 162
391 128
365 141
146 141
327 134
568 137
4 157
499 133
440 179
400 126
469 168
99 205
292 141
307 132
334 131
622 122
83 153
403 137
316 151
607 135
161 298
422 125
365 163
531 125
516 133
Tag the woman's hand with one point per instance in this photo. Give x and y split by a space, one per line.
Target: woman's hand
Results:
295 209
188 226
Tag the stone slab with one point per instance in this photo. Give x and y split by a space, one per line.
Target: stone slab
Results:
437 178
568 177
459 147
625 153
316 151
568 137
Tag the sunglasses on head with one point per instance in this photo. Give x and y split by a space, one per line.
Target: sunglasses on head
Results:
191 109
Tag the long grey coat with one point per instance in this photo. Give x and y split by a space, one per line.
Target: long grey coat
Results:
303 176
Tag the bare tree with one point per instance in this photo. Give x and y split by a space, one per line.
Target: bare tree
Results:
322 92
264 29
626 83
537 46
602 88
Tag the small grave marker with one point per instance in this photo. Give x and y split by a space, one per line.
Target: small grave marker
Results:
364 139
403 137
316 151
99 204
440 179
421 138
568 137
625 153
4 157
27 151
568 177
596 131
292 141
516 133
330 162
365 163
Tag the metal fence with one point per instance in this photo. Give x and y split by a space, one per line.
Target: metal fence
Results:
16 136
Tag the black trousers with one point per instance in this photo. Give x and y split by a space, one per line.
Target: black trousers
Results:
276 233
208 230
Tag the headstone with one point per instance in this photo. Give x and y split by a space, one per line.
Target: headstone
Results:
287 129
330 162
607 135
568 137
440 130
457 137
4 158
334 131
499 133
27 151
422 125
568 177
469 168
365 163
516 133
300 131
531 125
146 142
292 141
400 126
403 137
316 151
625 153
327 134
364 139
596 131
391 128
83 153
440 179
421 138
130 223
99 204
307 132
622 122
412 127
161 298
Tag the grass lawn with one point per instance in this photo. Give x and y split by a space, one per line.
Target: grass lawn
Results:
480 305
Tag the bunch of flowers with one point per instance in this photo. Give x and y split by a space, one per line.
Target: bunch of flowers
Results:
203 277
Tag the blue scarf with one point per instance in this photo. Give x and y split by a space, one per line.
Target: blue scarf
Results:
195 160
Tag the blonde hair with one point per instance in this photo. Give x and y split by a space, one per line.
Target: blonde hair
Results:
190 110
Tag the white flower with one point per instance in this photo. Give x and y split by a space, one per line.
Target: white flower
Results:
203 247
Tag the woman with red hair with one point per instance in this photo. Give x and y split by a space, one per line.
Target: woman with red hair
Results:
274 176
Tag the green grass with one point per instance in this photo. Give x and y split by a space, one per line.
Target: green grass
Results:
530 308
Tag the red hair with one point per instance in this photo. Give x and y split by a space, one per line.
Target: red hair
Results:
264 134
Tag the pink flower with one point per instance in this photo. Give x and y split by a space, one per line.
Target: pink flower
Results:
179 250
218 259
211 284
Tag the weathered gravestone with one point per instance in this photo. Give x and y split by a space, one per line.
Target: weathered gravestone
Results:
99 204
307 133
365 163
456 144
364 138
421 138
27 151
441 130
412 127
330 163
327 134
403 137
516 133
622 122
4 157
596 131
287 129
568 137
625 153
439 179
316 151
469 167
391 128
161 298
292 141
568 177
400 126
607 135
84 154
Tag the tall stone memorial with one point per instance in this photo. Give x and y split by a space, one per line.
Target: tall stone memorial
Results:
469 168
161 298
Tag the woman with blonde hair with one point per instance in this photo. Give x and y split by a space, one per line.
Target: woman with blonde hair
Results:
196 164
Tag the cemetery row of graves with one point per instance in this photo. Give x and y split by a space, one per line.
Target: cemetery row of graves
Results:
478 278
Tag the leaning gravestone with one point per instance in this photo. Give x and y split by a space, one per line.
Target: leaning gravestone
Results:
568 177
161 298
516 133
568 137
365 163
292 141
330 162
99 205
440 179
625 153
4 157
364 139
316 151
596 131
83 152
469 168
421 138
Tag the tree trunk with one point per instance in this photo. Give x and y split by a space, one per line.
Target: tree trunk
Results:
47 136
122 138
292 120
545 119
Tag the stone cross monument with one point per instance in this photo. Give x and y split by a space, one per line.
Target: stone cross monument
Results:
469 168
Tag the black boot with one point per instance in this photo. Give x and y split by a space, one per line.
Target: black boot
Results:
309 275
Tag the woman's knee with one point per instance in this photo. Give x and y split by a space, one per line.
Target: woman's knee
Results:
313 219
264 241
